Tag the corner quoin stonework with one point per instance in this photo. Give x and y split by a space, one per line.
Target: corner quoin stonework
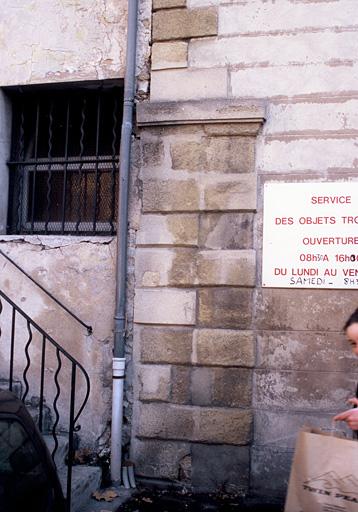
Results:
195 277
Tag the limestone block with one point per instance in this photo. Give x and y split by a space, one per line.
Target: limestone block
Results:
152 152
270 469
303 390
184 24
212 425
288 81
167 4
173 195
163 267
223 387
188 84
158 459
278 429
170 55
155 382
217 154
226 267
297 350
225 307
223 347
174 229
166 421
244 18
226 230
223 426
239 193
303 310
165 306
180 385
217 115
165 345
314 154
273 49
220 468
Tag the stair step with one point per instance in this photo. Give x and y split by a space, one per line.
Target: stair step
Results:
85 480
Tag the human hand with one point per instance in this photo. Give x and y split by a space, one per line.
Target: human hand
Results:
350 417
353 401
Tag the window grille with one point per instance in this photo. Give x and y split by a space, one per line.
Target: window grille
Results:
64 161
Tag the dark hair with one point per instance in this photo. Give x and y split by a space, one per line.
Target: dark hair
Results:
353 319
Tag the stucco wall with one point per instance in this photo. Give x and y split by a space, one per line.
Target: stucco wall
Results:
298 59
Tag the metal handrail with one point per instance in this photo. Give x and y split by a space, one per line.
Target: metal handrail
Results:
75 365
88 327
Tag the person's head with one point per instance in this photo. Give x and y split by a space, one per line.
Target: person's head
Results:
351 331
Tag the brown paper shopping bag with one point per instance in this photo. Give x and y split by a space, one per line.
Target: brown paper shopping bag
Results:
324 474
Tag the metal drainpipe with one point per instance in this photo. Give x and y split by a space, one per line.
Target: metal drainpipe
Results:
122 228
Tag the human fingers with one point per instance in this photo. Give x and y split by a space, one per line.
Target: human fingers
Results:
353 401
342 416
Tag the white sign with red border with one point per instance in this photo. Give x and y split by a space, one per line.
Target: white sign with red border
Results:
310 235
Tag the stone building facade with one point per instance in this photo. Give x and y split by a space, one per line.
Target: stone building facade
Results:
230 95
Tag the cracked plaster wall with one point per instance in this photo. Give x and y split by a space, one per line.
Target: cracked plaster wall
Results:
80 272
44 41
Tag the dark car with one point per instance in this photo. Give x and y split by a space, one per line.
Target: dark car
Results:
28 477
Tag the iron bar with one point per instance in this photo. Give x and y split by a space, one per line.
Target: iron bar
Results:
96 187
35 168
49 170
57 415
12 347
65 169
42 381
70 436
28 362
88 327
80 176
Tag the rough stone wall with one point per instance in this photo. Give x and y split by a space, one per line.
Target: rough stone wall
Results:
238 369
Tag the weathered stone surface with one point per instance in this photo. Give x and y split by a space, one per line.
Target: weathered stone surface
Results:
164 306
234 194
270 470
279 429
303 390
158 459
167 4
224 347
188 84
214 114
170 55
217 154
172 195
165 345
174 229
166 421
310 351
180 384
220 468
162 267
155 382
184 24
225 307
303 310
152 152
226 267
226 426
224 387
226 230
212 425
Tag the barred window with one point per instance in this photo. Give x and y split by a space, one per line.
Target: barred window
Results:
64 160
